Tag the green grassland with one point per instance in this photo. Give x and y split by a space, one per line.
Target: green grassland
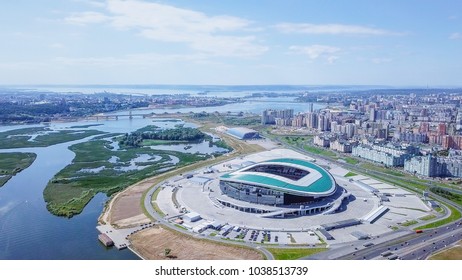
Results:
70 189
19 138
319 151
293 253
351 160
428 217
350 174
13 163
409 223
371 166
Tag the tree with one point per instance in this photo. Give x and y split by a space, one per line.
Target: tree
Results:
167 252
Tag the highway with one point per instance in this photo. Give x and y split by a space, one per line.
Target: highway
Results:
414 246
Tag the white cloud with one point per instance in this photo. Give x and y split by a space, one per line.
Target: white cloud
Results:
56 46
93 3
317 51
86 18
331 59
455 36
380 60
332 29
140 59
160 22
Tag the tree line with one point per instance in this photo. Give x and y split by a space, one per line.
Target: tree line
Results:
135 139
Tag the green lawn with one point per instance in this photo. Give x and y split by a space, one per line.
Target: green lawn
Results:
155 194
157 209
372 166
319 151
294 254
428 217
13 163
351 160
350 174
409 223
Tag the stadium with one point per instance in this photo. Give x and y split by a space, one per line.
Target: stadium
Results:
282 181
287 193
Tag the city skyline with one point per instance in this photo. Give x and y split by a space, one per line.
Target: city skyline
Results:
415 43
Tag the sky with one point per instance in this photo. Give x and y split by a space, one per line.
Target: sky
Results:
232 42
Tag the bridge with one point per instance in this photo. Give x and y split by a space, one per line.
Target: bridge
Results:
116 116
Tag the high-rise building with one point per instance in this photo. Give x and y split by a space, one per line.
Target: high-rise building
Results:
312 120
350 130
424 127
441 129
310 108
372 115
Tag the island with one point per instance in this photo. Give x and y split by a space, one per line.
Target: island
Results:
13 163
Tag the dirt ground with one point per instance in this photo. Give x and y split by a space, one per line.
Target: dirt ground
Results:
124 210
151 244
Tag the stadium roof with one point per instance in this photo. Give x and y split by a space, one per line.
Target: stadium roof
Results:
242 132
317 183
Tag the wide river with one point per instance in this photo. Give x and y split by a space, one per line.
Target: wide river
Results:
29 231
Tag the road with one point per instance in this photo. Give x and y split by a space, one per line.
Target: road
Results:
413 246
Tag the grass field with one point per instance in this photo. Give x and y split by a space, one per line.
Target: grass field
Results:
319 151
409 223
294 254
351 160
13 163
350 174
382 169
428 217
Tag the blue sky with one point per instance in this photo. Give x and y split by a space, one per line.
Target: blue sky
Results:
305 42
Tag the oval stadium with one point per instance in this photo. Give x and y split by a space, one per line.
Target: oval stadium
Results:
283 181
